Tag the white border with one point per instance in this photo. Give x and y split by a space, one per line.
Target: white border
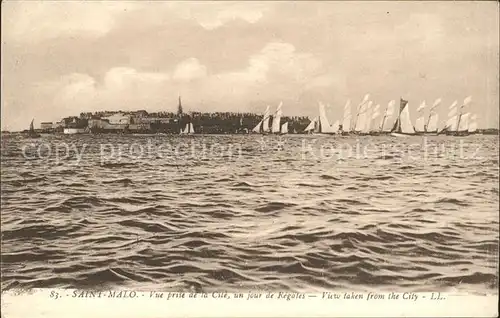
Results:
39 303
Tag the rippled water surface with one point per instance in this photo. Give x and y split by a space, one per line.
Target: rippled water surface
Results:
251 212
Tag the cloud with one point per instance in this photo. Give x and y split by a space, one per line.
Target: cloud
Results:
276 64
212 15
35 21
190 69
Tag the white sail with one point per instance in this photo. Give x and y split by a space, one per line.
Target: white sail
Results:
257 128
370 112
464 122
420 123
335 126
284 128
387 119
467 100
367 117
266 118
473 123
453 105
184 130
263 125
421 107
437 102
406 125
375 115
346 123
311 125
361 119
432 121
277 119
452 122
453 109
191 128
432 125
452 112
323 120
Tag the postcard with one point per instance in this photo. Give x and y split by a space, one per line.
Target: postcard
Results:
249 159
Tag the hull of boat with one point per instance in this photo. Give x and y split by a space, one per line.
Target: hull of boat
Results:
379 133
326 134
401 135
422 133
329 134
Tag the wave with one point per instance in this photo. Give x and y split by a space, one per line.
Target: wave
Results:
266 221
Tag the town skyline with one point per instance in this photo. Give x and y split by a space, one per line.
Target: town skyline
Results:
241 57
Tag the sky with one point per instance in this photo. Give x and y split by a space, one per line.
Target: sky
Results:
60 58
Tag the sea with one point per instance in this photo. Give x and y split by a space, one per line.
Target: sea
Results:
250 212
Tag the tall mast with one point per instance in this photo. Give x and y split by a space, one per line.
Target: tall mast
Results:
459 118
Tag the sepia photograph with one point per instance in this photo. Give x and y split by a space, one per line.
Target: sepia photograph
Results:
242 146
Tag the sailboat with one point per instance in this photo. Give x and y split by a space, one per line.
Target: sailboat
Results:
188 129
31 132
420 122
473 124
431 126
276 125
374 115
284 128
457 124
367 119
450 124
463 127
359 121
387 118
336 126
463 119
345 128
403 126
263 126
324 124
311 127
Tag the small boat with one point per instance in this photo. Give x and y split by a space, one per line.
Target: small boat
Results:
360 120
188 129
284 129
263 126
387 118
458 124
276 125
324 125
345 127
311 127
403 126
31 132
420 122
431 126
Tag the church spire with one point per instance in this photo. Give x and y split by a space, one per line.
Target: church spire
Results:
179 108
